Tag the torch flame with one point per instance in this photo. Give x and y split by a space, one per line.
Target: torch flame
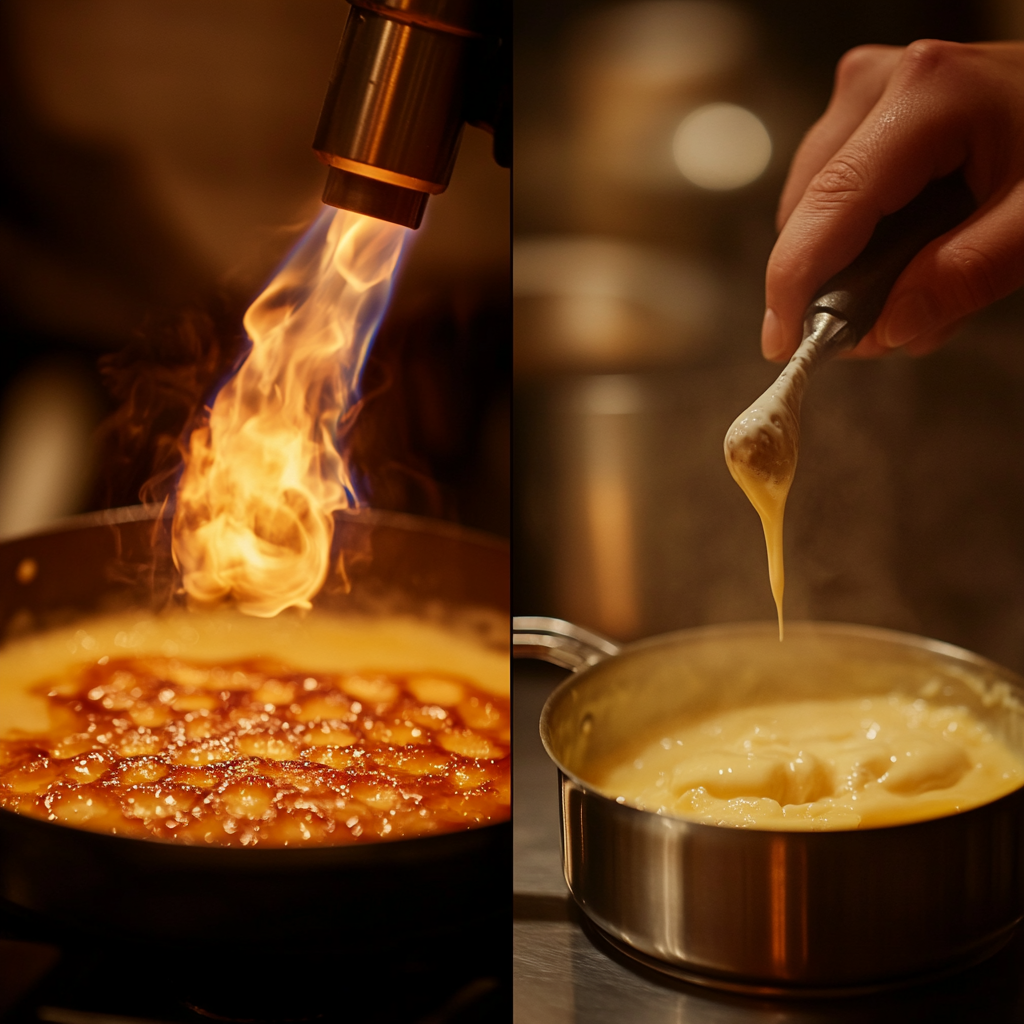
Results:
262 477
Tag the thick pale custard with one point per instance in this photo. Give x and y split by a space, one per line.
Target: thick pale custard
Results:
762 445
831 764
764 469
232 731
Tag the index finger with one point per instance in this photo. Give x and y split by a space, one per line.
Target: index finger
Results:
914 133
861 77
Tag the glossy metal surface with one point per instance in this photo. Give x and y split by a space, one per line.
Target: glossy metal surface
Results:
560 643
395 103
463 17
350 191
765 911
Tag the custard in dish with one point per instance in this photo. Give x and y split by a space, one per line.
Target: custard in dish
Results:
817 765
225 730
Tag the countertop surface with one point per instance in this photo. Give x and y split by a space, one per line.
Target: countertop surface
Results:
564 971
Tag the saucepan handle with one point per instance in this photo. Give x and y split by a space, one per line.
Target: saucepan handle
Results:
559 642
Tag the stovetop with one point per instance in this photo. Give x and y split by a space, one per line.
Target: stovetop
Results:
564 971
99 986
88 980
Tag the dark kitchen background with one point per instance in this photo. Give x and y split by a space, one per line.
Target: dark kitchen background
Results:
156 166
640 241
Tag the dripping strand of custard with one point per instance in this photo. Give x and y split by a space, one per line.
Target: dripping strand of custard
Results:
761 449
769 500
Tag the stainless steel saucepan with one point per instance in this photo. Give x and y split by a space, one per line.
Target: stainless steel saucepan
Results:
771 911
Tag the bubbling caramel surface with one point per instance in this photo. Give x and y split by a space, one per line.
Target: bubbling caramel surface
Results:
817 765
253 750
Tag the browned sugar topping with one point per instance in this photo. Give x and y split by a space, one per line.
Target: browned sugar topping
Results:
255 753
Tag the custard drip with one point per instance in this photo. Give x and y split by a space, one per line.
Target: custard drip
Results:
761 449
762 445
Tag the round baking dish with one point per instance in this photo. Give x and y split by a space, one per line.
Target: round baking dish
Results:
235 908
765 911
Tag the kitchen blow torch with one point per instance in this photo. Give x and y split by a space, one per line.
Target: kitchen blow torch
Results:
408 76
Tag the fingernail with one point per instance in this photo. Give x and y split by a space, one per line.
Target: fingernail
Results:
773 342
912 314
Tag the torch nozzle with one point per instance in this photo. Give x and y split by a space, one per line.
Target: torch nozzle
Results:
396 104
350 191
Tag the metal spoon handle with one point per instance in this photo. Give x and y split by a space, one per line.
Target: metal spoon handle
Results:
858 293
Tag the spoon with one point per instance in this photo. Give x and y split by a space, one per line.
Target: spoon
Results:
762 445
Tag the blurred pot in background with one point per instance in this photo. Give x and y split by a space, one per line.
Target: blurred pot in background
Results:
593 319
664 190
586 304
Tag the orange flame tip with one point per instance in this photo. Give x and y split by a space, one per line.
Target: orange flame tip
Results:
263 476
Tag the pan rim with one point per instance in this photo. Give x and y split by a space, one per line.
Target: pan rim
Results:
768 627
152 512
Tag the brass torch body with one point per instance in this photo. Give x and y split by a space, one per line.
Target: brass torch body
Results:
395 107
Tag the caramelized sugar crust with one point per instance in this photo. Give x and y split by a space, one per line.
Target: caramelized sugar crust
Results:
256 754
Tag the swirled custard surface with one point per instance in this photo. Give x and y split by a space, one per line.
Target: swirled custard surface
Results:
830 764
224 730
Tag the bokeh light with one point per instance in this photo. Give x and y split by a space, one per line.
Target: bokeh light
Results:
721 146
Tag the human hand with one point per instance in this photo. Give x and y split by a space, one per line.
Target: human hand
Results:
900 117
